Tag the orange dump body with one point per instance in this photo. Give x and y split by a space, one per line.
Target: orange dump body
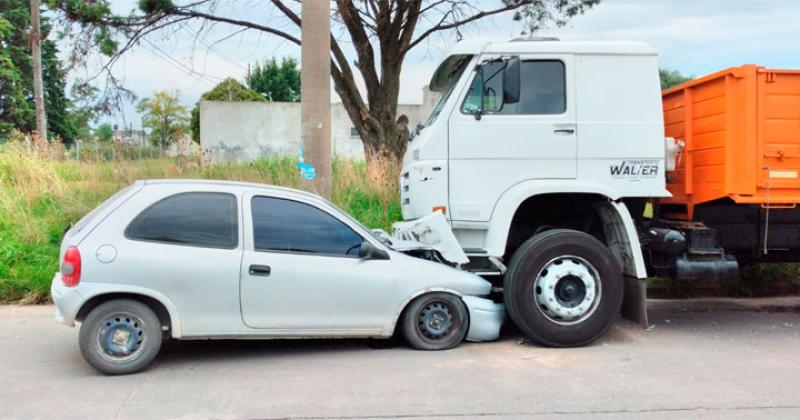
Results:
741 128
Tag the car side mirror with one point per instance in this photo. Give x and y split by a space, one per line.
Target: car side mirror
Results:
511 81
367 251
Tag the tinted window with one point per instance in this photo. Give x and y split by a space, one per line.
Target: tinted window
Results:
285 225
199 219
542 89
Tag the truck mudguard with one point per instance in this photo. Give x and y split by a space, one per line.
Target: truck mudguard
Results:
618 224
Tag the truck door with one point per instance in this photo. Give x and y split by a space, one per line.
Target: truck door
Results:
504 144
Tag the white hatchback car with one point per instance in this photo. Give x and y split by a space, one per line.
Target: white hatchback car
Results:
211 259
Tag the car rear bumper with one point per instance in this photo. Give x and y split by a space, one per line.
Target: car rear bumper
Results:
485 318
67 301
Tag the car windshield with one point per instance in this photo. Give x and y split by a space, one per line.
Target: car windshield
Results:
456 69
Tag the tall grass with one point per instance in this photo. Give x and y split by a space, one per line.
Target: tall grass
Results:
42 193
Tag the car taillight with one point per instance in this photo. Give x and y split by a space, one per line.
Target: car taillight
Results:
71 267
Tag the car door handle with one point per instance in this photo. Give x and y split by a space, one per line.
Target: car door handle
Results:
260 270
564 131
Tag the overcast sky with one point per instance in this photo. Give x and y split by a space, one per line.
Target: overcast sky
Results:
695 37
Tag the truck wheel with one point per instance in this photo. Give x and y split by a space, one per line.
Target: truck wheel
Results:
563 288
435 321
120 336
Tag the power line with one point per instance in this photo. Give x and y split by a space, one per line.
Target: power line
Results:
202 77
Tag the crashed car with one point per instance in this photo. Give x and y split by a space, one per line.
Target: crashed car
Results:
211 259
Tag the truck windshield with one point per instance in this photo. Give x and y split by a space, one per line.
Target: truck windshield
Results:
455 73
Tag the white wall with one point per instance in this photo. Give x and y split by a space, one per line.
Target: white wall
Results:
245 131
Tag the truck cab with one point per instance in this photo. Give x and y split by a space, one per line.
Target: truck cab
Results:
541 155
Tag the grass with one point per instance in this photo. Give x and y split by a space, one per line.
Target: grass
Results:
42 193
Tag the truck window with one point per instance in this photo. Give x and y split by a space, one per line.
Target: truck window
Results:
542 90
453 77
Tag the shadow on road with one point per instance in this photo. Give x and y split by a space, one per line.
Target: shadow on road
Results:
717 316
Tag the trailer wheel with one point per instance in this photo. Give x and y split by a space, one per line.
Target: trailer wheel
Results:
563 288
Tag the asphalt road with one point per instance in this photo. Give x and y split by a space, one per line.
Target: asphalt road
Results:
718 359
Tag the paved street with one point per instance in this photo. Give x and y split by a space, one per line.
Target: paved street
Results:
723 359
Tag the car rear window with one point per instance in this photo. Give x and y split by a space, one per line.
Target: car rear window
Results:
85 220
196 219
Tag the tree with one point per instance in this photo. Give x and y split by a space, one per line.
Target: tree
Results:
278 82
104 132
16 75
226 90
670 78
35 41
381 32
165 117
15 110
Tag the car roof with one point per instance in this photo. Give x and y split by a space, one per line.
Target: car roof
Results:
233 185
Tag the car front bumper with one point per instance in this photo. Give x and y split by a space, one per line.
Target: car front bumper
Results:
485 318
67 301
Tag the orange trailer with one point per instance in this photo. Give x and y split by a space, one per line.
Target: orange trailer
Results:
736 183
741 133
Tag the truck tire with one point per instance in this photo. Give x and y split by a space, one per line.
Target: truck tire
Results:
435 321
120 336
563 288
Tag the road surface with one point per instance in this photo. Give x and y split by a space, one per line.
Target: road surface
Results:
710 359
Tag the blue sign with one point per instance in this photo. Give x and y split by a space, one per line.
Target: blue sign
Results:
307 170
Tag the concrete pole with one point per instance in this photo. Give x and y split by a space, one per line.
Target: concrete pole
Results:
315 73
36 53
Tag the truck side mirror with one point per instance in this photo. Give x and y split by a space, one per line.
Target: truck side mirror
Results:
511 81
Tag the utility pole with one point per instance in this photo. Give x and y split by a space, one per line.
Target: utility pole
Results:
36 52
315 107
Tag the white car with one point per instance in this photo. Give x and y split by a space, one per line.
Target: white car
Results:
210 259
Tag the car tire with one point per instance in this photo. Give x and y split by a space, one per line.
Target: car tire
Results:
120 336
435 321
563 288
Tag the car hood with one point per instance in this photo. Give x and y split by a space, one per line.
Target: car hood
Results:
417 273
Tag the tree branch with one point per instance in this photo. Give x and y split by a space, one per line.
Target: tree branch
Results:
442 25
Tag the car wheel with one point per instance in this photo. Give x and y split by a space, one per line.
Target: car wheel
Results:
563 288
120 336
435 321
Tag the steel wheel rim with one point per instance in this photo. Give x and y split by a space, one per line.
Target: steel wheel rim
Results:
435 320
567 290
121 337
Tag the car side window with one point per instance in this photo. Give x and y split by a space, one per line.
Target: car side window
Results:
543 89
290 226
202 219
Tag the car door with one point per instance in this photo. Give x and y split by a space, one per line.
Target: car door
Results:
534 138
301 272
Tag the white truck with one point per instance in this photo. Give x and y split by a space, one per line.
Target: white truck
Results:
528 171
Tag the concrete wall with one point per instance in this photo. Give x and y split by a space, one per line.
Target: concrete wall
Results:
245 131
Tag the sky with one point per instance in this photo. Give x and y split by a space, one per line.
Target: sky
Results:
695 37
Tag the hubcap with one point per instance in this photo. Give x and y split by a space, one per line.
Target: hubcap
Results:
567 290
435 320
120 337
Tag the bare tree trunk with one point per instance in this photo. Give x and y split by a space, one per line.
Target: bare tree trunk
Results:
315 98
36 52
164 126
